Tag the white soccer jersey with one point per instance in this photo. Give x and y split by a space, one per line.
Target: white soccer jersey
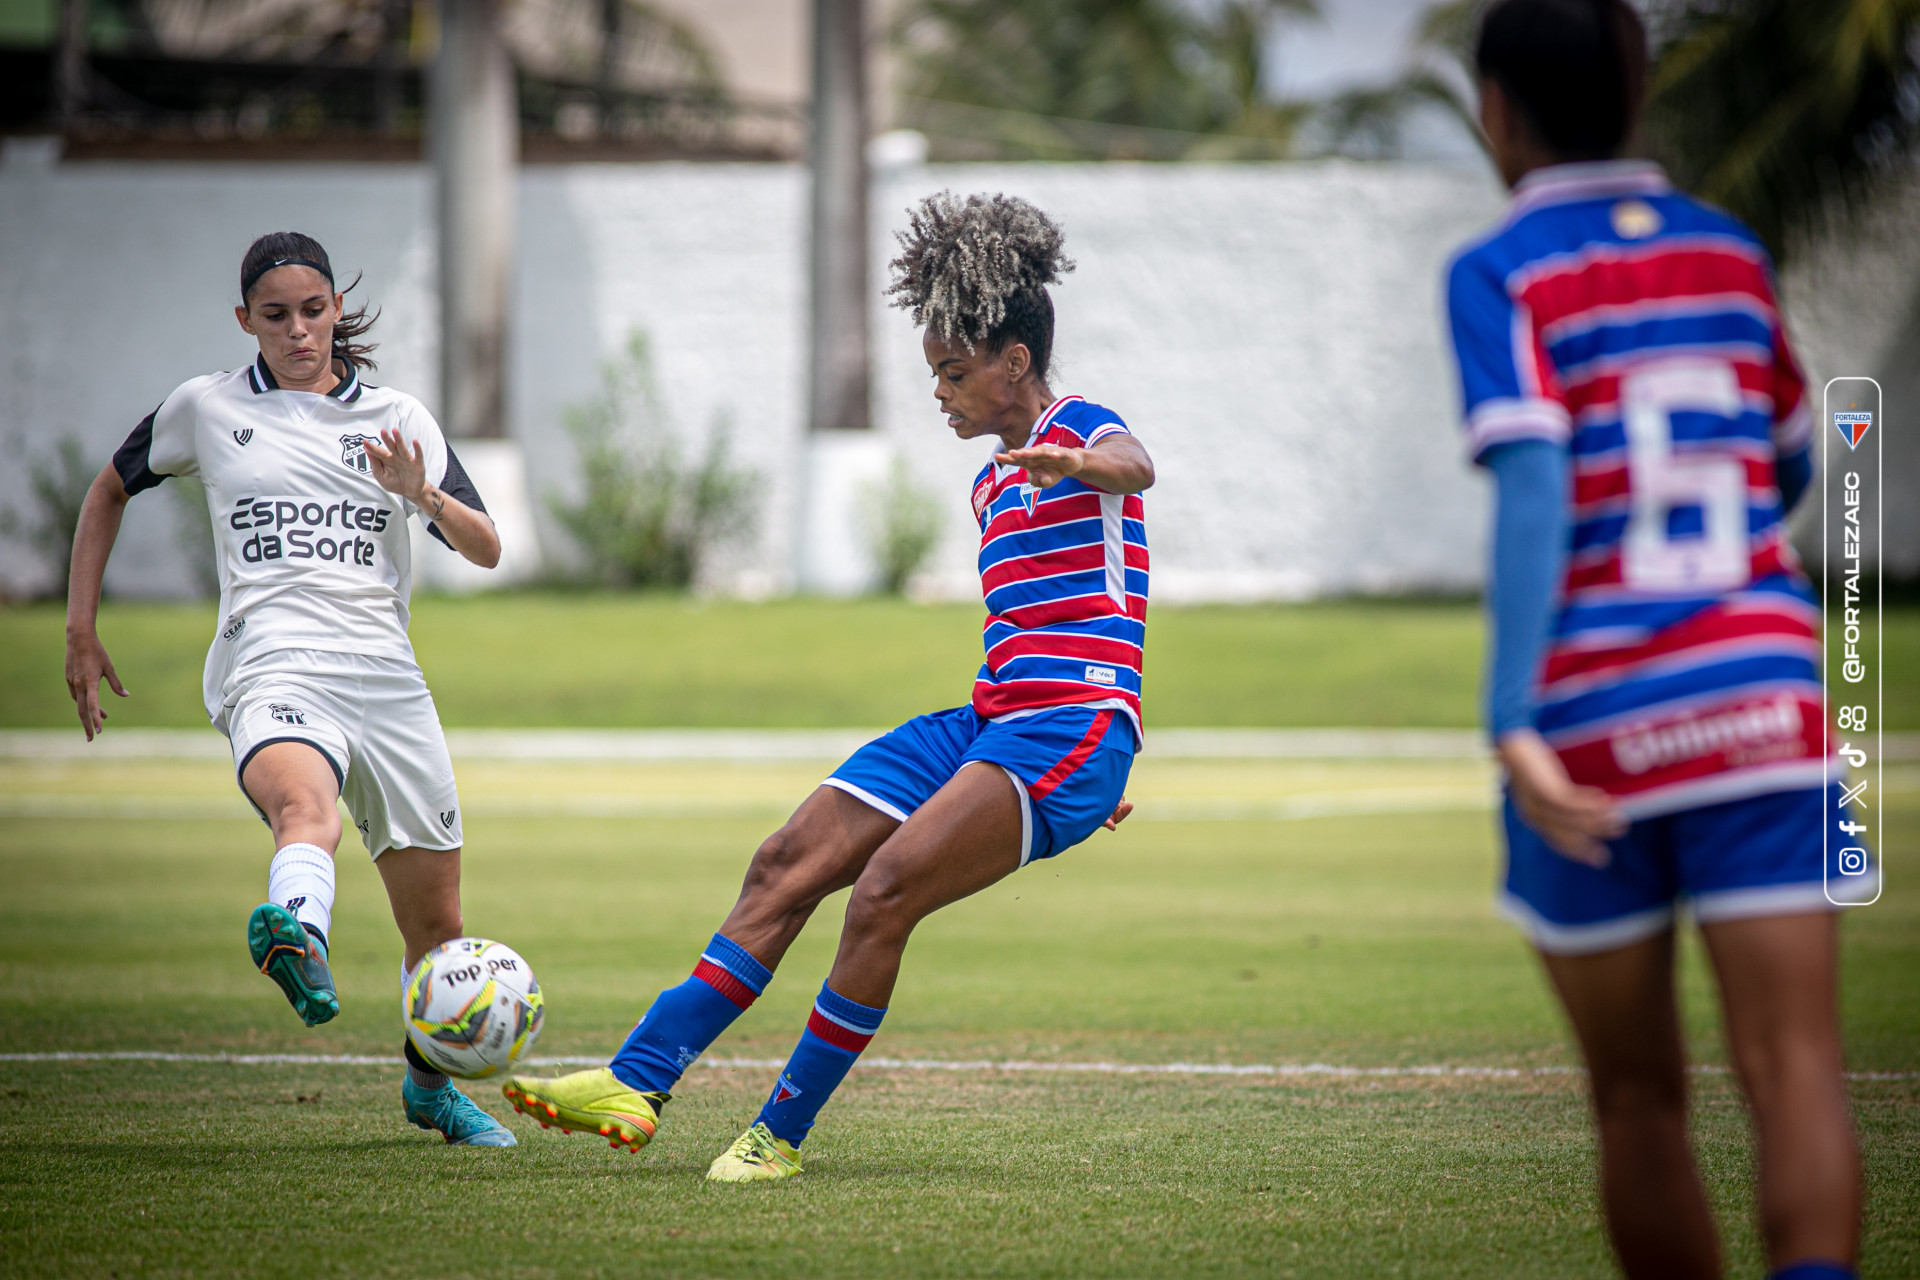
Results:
313 553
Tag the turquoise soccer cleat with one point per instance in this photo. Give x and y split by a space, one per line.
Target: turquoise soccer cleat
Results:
454 1116
296 959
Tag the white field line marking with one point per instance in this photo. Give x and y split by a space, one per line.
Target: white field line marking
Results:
970 1066
1326 804
621 746
762 745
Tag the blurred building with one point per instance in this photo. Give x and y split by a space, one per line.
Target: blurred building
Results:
1273 330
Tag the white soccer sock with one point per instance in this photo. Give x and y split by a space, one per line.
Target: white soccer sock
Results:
301 880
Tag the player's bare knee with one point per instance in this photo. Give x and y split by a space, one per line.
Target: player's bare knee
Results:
880 908
785 875
308 818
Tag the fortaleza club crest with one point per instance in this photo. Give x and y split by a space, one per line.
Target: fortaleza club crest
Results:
1852 427
353 453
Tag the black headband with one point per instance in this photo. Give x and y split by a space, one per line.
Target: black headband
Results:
246 285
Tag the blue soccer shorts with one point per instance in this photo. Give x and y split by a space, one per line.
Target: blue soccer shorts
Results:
1068 765
1760 856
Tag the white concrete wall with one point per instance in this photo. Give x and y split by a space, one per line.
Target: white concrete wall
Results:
1272 332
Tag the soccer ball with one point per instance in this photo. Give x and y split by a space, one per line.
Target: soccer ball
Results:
472 1007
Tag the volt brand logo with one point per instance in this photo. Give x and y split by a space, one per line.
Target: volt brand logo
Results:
287 713
1852 427
447 816
353 453
294 904
243 436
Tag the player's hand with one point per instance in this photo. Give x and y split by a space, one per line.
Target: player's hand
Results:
1120 812
1046 464
1574 820
398 470
87 665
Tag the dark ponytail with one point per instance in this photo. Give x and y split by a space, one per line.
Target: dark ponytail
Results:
291 248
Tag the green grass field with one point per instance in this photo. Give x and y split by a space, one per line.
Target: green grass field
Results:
665 661
515 660
1186 937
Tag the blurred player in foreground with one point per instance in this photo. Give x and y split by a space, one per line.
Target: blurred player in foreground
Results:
1654 691
949 803
311 475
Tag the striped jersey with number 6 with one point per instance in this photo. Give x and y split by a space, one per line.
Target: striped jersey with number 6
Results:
1638 328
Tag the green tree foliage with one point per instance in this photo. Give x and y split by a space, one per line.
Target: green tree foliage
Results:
1369 122
1107 79
1784 111
648 517
58 485
903 525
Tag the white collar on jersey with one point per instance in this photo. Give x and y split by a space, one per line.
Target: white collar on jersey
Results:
1587 180
1041 424
261 379
1046 419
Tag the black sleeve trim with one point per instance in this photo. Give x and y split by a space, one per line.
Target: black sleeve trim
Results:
457 484
132 459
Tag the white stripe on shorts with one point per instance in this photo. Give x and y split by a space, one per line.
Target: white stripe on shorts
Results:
867 798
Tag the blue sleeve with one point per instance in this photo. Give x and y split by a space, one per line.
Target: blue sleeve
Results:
1508 390
1793 473
1529 555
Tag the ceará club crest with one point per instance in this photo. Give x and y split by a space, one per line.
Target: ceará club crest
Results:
353 453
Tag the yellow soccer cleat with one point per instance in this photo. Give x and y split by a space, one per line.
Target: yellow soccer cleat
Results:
589 1102
757 1156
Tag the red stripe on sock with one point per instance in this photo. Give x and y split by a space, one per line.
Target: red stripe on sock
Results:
725 983
835 1034
1074 758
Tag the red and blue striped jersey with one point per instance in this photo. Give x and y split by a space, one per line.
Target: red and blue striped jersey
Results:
1064 574
1638 328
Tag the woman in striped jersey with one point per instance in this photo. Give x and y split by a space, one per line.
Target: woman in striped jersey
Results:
1655 693
949 803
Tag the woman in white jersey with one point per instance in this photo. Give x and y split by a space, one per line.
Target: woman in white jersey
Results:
311 476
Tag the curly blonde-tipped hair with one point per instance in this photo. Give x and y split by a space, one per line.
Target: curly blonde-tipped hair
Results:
962 264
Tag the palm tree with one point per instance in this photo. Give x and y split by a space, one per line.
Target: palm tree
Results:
1785 112
1066 79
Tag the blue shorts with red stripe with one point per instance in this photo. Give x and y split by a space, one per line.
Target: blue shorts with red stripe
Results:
1069 766
1758 856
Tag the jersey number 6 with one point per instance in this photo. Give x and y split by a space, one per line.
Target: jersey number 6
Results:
1687 525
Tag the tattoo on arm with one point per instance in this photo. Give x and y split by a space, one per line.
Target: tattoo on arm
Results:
438 501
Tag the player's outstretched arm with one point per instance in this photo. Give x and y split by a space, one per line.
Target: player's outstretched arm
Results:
93 538
1118 464
402 470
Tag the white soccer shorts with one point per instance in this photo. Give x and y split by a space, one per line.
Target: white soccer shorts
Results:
374 721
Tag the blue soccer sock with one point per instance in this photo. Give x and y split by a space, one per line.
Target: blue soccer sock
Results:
1814 1269
684 1020
837 1031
